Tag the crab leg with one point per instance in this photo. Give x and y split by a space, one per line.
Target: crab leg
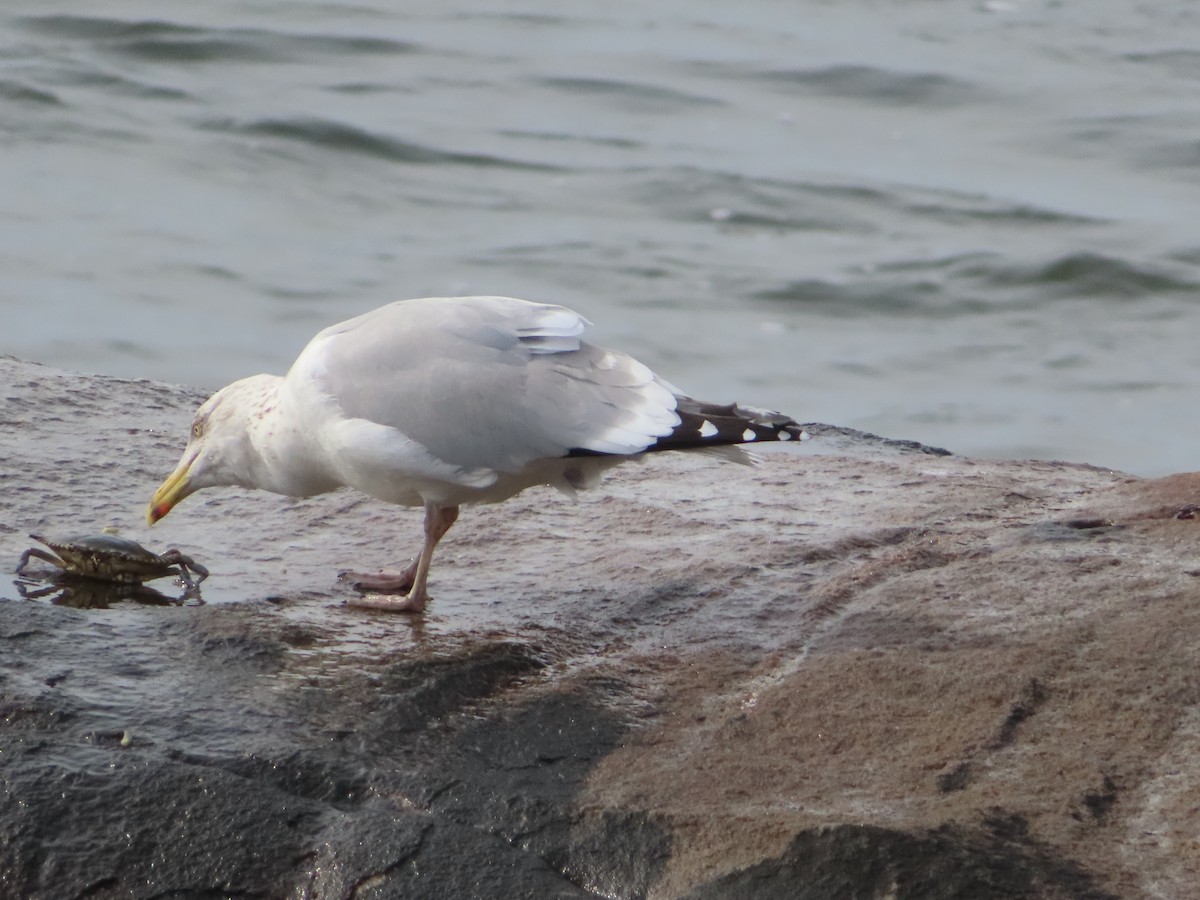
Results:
186 564
189 565
38 554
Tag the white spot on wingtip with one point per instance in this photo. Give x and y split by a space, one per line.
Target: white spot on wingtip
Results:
785 435
749 435
707 429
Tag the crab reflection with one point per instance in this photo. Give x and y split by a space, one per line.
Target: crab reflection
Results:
91 593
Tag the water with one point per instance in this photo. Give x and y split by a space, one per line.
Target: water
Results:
967 224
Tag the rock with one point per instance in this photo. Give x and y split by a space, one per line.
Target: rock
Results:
944 862
863 668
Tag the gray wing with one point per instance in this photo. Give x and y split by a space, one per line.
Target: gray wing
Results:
490 382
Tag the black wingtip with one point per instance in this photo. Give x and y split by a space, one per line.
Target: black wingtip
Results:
715 425
719 425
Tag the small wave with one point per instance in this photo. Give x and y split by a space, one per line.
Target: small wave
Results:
23 93
736 201
361 88
1084 275
1183 63
564 137
855 208
173 42
1183 155
69 26
870 83
954 210
950 263
950 207
631 94
92 78
975 283
212 270
528 19
853 298
1189 256
338 136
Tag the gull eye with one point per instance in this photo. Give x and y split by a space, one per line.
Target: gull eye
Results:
197 430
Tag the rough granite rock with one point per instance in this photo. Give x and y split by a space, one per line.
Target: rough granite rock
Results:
861 669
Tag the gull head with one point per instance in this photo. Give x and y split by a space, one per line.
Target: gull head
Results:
220 450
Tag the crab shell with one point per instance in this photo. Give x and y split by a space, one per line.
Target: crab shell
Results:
118 559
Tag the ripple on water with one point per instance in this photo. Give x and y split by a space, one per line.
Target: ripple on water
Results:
20 92
327 134
870 84
173 42
633 96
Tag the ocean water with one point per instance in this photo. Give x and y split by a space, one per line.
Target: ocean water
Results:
971 224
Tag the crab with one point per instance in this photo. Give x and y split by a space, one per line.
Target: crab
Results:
110 558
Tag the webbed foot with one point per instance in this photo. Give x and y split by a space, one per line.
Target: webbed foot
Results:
409 604
387 581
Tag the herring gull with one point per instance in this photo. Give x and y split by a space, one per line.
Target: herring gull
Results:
439 402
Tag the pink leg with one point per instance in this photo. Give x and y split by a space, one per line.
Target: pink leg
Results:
438 520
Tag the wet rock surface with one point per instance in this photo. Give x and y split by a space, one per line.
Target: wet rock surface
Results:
859 669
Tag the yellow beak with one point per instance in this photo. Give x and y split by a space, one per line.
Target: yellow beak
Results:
170 492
